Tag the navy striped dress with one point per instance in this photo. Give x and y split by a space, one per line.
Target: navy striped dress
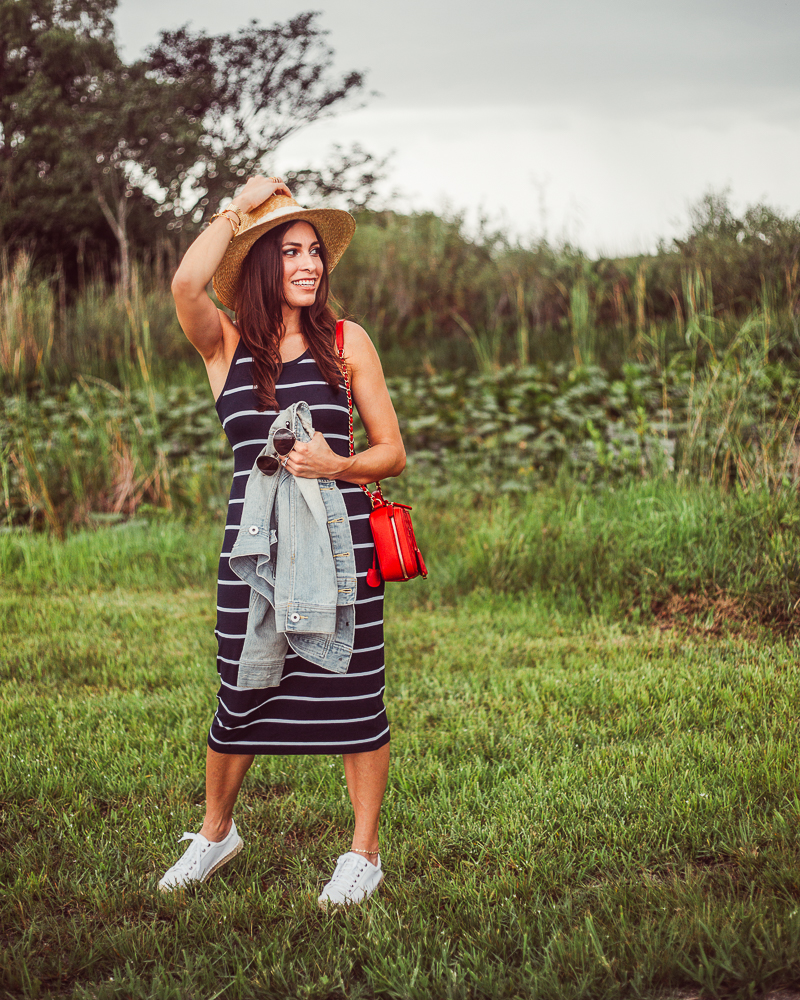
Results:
312 710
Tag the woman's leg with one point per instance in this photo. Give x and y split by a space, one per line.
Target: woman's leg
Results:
224 776
366 775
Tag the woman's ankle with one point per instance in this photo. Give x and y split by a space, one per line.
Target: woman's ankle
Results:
216 830
366 849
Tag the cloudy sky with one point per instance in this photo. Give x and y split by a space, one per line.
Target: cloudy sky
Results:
598 122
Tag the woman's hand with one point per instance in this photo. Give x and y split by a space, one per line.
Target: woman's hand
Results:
257 190
315 459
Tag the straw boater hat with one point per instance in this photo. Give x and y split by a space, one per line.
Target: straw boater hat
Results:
335 228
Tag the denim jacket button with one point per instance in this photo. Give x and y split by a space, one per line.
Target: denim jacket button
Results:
253 529
294 618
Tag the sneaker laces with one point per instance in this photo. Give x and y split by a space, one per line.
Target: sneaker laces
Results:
192 855
348 872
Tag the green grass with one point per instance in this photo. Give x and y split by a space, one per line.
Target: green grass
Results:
576 808
614 549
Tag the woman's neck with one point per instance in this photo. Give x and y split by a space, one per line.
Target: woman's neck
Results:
291 322
292 341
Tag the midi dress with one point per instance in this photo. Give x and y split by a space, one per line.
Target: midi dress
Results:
312 710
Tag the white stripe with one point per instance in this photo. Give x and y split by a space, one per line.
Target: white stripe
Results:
244 444
289 697
298 673
249 413
235 501
282 743
239 388
241 583
325 406
365 673
358 517
369 600
364 545
263 441
366 649
297 385
301 722
370 624
244 611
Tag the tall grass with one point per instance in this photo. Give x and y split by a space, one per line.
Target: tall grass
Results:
620 551
92 450
48 339
615 368
95 453
623 549
432 294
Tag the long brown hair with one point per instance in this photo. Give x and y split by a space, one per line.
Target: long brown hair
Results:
259 316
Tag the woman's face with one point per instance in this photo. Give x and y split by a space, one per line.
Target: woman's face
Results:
302 265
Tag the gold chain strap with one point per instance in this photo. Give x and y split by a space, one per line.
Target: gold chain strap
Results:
378 492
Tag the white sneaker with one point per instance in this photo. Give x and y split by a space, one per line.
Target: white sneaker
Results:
354 879
201 859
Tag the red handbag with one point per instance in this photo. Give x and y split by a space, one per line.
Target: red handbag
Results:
397 555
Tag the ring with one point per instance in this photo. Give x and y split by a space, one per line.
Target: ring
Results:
275 180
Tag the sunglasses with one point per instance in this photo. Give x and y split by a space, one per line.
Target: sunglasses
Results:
283 440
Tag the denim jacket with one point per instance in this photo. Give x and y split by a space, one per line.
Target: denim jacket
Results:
295 550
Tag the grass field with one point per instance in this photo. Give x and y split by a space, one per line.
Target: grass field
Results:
577 807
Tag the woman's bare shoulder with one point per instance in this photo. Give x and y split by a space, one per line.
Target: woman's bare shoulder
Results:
357 343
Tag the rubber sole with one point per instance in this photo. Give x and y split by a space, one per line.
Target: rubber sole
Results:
225 860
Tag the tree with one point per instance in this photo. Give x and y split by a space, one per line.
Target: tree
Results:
83 127
749 256
252 90
49 52
90 145
135 143
349 179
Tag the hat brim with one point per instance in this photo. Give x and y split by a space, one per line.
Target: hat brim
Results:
334 226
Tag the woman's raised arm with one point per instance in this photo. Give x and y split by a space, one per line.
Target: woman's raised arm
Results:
198 316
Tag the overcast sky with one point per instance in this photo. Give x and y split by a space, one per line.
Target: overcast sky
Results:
596 121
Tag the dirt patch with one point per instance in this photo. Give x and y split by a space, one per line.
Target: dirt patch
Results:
718 614
782 994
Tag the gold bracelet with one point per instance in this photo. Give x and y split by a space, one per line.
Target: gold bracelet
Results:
222 215
239 215
364 852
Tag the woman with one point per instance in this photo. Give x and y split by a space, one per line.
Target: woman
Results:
270 261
